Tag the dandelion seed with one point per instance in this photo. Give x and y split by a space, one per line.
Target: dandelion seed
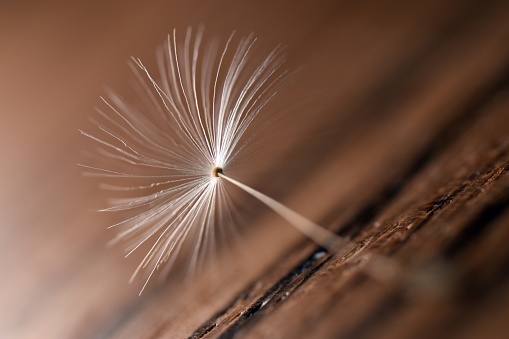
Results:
201 116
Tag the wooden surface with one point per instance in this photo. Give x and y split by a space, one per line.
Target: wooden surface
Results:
405 151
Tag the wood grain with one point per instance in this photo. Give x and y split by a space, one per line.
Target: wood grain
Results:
405 151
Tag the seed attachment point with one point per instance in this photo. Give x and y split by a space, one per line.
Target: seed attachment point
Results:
215 172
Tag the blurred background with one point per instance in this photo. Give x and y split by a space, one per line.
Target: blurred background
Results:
390 75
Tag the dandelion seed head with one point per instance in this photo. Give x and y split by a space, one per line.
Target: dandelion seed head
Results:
196 118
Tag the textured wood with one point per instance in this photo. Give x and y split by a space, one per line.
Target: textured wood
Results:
406 153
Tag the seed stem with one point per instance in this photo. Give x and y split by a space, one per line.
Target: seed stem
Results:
315 232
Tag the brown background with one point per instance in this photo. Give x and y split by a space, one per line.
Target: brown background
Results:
406 151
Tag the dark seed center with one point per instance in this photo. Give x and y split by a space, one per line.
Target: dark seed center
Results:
216 171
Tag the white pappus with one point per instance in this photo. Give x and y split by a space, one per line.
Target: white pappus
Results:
200 114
